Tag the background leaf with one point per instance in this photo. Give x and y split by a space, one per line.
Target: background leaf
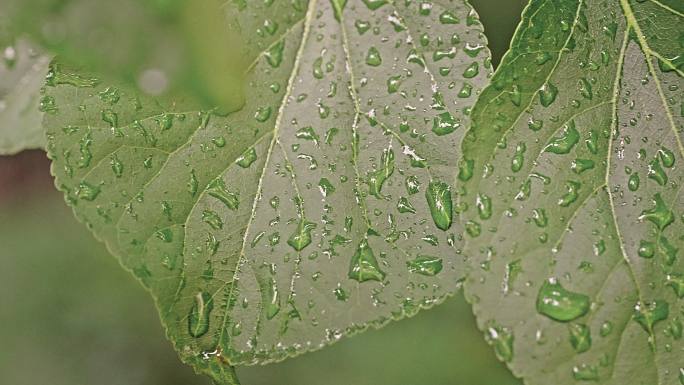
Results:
316 210
161 47
22 75
575 201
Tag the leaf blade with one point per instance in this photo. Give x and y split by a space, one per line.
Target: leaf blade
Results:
271 231
574 215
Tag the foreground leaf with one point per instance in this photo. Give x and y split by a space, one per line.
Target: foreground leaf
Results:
315 211
22 75
575 201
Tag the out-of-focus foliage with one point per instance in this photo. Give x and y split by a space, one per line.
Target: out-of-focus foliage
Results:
77 318
162 46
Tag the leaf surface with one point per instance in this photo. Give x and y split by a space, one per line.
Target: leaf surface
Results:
575 200
322 207
22 75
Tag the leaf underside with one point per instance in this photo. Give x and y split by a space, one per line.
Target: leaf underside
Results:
576 195
22 75
320 208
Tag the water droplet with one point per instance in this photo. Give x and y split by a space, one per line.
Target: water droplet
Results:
117 166
579 166
580 337
217 189
484 206
448 17
572 188
557 303
425 265
438 195
676 282
212 219
633 182
656 172
585 372
659 215
650 313
274 56
87 191
373 57
471 71
547 94
340 293
444 124
564 143
404 206
519 157
198 318
376 179
364 267
302 236
501 339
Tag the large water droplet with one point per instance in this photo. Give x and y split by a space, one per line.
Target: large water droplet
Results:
364 267
438 195
555 302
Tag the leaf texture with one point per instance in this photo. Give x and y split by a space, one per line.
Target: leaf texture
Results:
574 202
320 208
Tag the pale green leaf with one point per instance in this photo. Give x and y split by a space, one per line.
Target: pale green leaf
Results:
22 74
576 194
306 215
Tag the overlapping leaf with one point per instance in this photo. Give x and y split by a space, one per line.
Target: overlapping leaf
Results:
321 207
22 75
574 195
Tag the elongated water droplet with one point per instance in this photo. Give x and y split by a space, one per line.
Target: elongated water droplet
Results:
438 195
425 265
212 219
656 172
580 337
633 182
501 339
217 189
376 179
585 372
198 318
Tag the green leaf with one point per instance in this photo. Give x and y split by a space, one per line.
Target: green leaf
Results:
22 74
305 216
576 187
161 46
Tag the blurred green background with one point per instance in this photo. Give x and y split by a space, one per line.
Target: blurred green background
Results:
72 316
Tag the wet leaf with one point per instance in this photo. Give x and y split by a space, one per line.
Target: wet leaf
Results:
305 216
22 74
577 144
